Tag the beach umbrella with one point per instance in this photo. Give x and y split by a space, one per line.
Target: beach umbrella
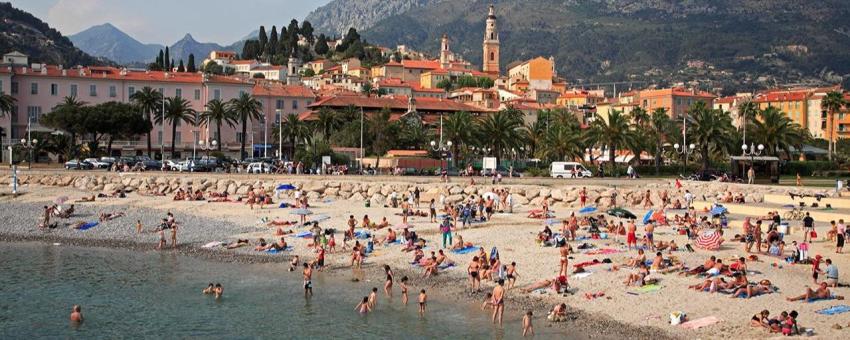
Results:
301 212
648 217
60 200
587 210
709 240
718 210
621 213
286 186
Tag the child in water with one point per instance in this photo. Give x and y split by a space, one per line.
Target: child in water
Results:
363 306
423 299
404 290
527 327
210 289
293 263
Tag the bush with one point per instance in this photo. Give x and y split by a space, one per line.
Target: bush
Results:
808 168
536 172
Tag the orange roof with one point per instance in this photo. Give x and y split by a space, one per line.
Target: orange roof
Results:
394 103
393 63
421 64
242 62
114 73
279 90
307 116
780 97
268 68
726 100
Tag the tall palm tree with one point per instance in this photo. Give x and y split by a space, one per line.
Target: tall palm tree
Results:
7 103
534 134
711 130
294 130
218 113
747 113
778 132
615 133
659 127
246 108
177 109
459 127
501 132
382 132
562 143
328 121
832 103
149 101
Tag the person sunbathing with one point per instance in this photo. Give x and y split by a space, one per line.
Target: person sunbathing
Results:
87 199
822 293
658 262
280 232
390 238
709 285
459 244
237 244
67 213
557 284
638 279
110 216
431 268
410 245
384 224
279 245
78 225
279 223
544 235
261 245
179 195
637 260
763 287
418 255
558 313
199 195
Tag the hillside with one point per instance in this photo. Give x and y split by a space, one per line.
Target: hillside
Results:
109 42
21 31
729 44
338 16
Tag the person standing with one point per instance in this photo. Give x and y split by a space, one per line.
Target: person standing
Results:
446 230
416 194
840 236
808 227
751 175
308 280
499 301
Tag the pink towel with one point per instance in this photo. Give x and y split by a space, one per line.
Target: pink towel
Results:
700 323
604 251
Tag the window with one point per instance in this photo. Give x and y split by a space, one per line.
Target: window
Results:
73 90
14 87
216 94
131 90
113 92
177 137
295 105
33 113
492 56
159 137
279 104
197 94
93 90
34 88
54 89
178 93
239 137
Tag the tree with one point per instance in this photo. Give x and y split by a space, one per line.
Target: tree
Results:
292 30
149 101
271 46
321 46
459 127
711 130
180 67
7 104
307 31
160 59
659 129
166 60
350 37
67 116
366 89
190 67
382 132
832 103
328 122
294 130
615 133
251 49
246 108
562 143
308 72
218 113
778 132
500 131
177 109
445 84
120 121
263 41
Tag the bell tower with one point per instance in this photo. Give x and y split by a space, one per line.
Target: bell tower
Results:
444 52
490 60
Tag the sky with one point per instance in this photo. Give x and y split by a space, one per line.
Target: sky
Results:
166 21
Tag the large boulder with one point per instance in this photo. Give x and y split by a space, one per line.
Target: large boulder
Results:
452 199
331 192
520 200
545 192
357 197
314 186
470 190
346 186
532 193
455 190
558 194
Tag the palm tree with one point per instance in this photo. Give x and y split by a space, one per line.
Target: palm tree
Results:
176 110
562 143
534 134
294 130
149 101
218 113
501 132
747 113
7 103
328 122
382 132
459 128
778 132
246 108
659 128
616 133
711 130
832 103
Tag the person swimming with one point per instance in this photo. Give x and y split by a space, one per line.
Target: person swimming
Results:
210 289
363 307
76 314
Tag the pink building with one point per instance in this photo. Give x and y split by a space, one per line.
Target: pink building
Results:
278 100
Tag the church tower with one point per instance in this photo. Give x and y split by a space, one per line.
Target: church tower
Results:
491 44
444 52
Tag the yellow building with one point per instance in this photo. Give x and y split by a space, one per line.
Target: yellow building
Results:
792 103
430 79
578 99
538 72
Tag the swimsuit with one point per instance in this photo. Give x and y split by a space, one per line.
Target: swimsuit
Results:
631 238
308 284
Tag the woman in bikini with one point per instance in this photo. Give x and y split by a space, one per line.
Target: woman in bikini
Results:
403 286
388 286
565 253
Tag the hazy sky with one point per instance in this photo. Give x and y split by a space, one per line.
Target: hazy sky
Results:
166 21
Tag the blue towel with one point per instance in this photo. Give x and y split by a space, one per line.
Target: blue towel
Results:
275 251
834 310
465 250
88 226
446 266
283 205
362 234
304 234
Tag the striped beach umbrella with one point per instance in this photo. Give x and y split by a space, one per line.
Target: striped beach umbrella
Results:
709 240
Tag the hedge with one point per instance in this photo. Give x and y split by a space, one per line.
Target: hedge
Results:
808 168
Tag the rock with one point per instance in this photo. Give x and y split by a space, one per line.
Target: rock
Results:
343 194
373 189
454 198
520 200
454 190
110 188
545 192
532 193
571 196
357 197
537 201
232 188
517 191
377 200
329 192
346 186
313 195
313 186
470 190
558 194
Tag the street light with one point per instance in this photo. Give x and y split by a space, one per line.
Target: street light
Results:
685 151
30 146
279 134
14 172
442 148
752 150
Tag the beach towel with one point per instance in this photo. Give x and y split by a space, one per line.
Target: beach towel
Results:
445 266
362 234
275 251
582 275
88 225
283 205
212 244
834 310
648 289
700 323
465 250
304 234
603 251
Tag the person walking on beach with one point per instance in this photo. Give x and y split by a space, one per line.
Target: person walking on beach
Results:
308 280
499 301
76 314
474 277
446 230
432 209
808 227
631 238
751 175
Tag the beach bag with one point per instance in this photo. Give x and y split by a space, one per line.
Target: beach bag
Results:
677 317
814 234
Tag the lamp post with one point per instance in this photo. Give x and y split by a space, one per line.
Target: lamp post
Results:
752 150
279 134
265 136
442 148
14 172
685 151
30 145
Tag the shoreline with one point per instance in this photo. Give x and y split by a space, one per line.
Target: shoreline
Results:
588 324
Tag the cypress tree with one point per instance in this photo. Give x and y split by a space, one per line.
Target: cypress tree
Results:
271 47
264 39
190 67
165 62
180 67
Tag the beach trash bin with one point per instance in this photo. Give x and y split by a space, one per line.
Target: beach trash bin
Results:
368 204
677 317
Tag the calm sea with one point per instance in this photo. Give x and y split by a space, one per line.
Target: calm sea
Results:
128 294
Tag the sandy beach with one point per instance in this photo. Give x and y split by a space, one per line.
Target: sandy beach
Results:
617 311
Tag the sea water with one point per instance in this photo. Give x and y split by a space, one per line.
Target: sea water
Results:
127 294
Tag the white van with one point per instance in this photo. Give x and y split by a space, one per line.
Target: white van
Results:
565 170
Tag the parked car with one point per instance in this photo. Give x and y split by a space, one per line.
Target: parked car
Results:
77 164
171 165
97 163
706 175
259 167
148 162
565 170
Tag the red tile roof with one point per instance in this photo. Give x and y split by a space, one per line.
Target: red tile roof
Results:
280 90
393 63
780 97
114 73
726 100
243 62
394 103
421 64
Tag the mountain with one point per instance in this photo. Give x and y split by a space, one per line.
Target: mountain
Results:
722 44
109 42
188 45
336 17
21 31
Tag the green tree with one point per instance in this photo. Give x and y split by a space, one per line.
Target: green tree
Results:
501 132
294 131
459 127
7 104
778 132
615 133
166 65
246 108
307 31
160 59
177 110
180 67
121 121
382 132
190 67
218 113
659 129
711 130
562 143
832 103
271 47
149 101
308 73
67 116
445 84
263 41
328 122
534 133
321 46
